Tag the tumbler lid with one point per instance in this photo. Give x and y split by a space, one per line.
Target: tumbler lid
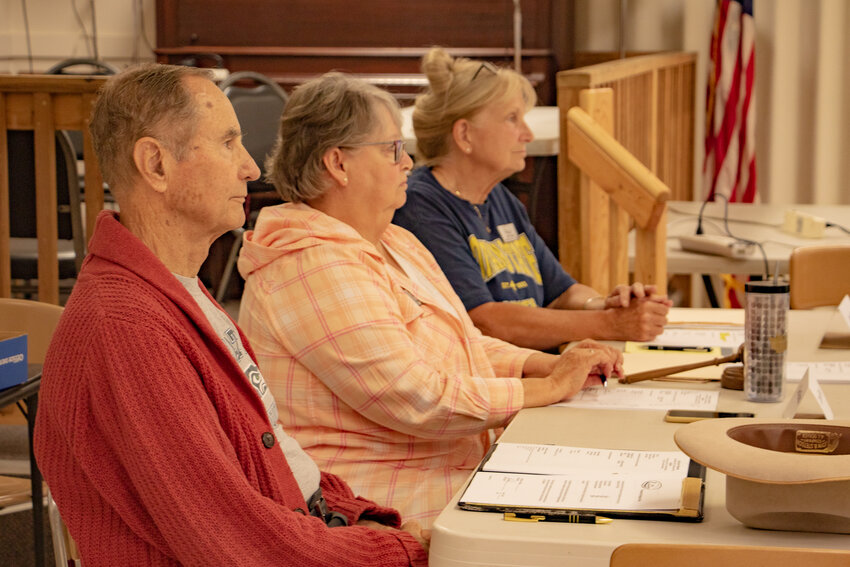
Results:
767 286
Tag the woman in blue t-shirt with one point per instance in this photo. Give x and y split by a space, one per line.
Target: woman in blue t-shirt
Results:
471 132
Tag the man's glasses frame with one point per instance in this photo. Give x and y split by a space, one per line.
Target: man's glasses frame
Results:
398 147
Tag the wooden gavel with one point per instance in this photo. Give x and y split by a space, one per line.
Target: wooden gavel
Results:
738 356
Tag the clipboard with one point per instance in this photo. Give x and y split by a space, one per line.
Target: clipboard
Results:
690 508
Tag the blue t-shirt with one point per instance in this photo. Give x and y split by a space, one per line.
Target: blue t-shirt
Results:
489 252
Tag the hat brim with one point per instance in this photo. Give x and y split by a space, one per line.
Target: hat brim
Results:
770 450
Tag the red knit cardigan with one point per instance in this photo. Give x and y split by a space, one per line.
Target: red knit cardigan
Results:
150 437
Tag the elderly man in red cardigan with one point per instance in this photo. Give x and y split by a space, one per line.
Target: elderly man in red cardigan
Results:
156 431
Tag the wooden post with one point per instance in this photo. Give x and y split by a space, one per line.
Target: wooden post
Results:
5 228
45 104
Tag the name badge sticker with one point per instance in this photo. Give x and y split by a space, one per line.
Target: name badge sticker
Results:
507 232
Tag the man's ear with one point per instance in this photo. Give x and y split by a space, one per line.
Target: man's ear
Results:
336 163
151 160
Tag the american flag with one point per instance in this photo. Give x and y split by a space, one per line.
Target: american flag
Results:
730 158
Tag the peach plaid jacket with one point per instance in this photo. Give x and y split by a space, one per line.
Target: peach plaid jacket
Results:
377 382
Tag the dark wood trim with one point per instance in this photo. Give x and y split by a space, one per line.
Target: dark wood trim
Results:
282 51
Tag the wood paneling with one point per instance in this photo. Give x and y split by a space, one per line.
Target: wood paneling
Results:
383 40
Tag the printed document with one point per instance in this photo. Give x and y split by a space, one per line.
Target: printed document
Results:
629 397
579 478
700 337
834 372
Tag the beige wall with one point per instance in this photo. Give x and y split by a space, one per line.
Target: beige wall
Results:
55 33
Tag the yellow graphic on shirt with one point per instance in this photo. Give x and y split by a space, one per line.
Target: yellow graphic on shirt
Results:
497 256
522 284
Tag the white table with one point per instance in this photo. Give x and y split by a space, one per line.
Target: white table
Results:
463 538
542 120
762 223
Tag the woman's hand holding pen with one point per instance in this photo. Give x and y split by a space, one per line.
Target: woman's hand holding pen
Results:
603 370
577 368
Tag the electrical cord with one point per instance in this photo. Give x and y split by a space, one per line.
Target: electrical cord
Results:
27 29
838 226
140 30
738 238
94 31
742 221
729 232
82 27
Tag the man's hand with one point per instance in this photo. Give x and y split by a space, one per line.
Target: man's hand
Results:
412 527
422 536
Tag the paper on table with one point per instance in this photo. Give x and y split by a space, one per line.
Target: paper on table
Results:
586 491
643 398
833 372
533 458
731 337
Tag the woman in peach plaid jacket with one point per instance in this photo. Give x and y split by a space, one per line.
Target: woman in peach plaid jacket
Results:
376 368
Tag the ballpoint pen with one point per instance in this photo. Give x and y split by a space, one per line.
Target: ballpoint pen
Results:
569 518
677 348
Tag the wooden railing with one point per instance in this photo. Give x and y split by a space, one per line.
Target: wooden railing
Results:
45 104
620 191
652 117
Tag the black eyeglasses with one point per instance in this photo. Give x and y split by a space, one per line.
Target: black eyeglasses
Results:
485 65
398 147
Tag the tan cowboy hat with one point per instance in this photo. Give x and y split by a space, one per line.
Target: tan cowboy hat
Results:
782 474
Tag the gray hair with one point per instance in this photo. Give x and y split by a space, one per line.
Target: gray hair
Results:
144 100
327 112
457 89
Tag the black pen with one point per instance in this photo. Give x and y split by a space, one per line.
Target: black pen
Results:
677 348
604 380
569 518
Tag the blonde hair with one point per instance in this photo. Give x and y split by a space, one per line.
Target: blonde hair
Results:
144 100
459 88
330 111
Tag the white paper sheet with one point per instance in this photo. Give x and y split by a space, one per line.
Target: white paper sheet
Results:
831 372
560 459
698 337
628 397
586 491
